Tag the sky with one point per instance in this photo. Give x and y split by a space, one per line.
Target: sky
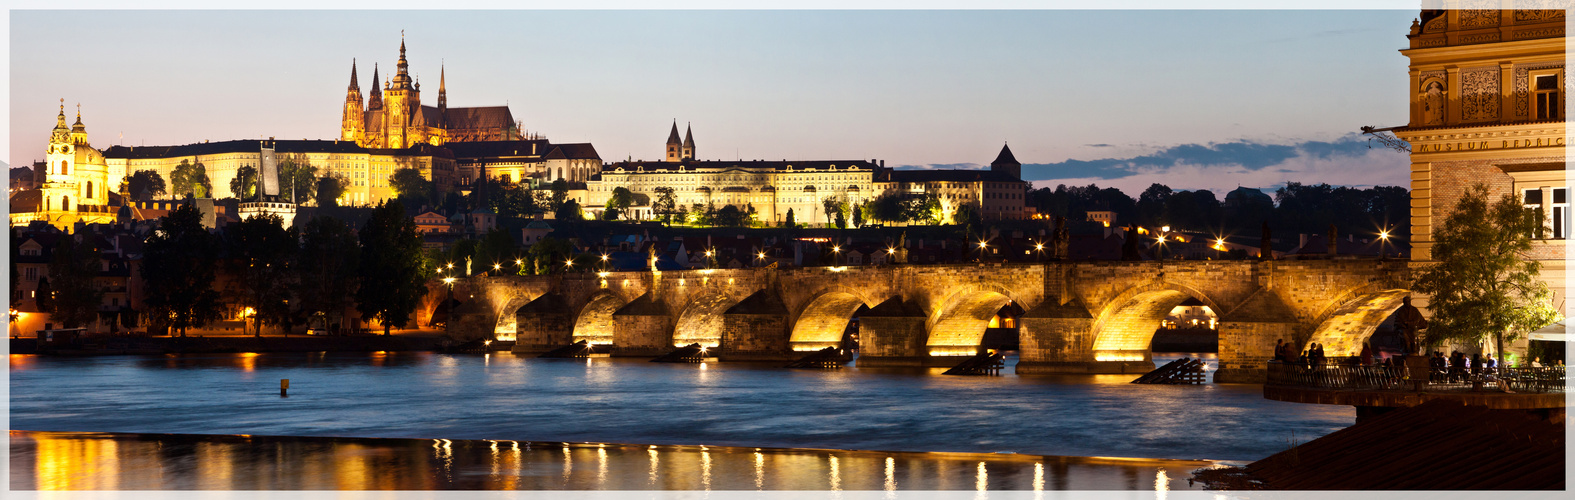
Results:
1203 99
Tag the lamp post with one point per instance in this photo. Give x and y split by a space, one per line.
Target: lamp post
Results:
1383 243
983 246
449 304
836 255
1039 252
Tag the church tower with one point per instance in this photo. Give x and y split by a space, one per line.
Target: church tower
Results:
401 106
1006 162
442 95
673 145
375 101
689 142
353 126
60 190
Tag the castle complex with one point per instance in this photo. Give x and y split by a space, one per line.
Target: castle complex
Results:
391 129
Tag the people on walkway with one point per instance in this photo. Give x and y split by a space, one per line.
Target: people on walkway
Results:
1367 354
1279 350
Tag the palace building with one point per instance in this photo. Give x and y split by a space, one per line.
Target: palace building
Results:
1487 91
394 117
774 187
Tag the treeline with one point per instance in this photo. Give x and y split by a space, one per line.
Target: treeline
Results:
1294 209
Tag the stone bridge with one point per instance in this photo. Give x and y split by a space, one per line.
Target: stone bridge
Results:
1081 317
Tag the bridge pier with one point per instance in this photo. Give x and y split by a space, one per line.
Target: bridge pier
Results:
543 324
1059 338
1245 345
643 327
756 329
892 334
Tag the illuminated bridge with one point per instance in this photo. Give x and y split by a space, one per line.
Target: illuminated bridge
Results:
1079 317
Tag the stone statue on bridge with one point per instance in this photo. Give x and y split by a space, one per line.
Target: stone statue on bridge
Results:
1265 244
1062 239
1129 248
1409 320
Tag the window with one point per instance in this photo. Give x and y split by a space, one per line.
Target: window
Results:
1561 213
32 274
1546 97
1532 200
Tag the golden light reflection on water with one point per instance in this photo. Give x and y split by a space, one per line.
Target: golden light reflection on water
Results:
21 362
53 461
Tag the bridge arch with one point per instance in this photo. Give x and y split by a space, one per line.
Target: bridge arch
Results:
958 325
1352 319
1125 329
507 325
595 321
701 322
824 319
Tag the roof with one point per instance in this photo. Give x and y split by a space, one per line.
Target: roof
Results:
690 165
672 137
482 117
1005 158
483 149
1438 445
889 175
577 151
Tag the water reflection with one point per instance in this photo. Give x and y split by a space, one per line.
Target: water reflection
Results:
97 461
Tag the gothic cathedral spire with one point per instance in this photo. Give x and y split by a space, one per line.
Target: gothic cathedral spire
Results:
375 101
352 126
442 93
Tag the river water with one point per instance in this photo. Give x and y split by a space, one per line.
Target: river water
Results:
505 398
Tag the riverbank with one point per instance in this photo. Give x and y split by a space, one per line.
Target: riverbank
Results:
232 344
116 461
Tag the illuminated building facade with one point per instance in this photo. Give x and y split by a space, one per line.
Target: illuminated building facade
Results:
1487 92
77 181
394 117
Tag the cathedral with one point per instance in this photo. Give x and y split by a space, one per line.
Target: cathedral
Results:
395 118
76 183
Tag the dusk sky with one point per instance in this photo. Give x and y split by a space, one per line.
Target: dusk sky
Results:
1192 99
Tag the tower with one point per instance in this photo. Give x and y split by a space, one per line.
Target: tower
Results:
375 101
673 145
442 95
401 102
1005 162
353 125
689 142
59 191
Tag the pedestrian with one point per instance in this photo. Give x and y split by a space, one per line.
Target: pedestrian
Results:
1488 365
1367 354
1476 364
1279 350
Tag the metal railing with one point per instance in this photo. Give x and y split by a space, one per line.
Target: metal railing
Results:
1345 376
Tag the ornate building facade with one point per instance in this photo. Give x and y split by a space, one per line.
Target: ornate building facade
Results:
1487 90
394 118
77 181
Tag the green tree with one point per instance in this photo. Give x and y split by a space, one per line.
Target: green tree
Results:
262 256
329 188
830 204
73 297
177 268
190 179
145 185
496 248
665 205
297 179
1151 204
858 214
330 256
1482 282
618 204
412 188
244 186
929 211
842 222
390 267
570 211
549 254
560 194
729 216
788 221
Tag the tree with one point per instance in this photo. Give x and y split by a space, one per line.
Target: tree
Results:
788 221
841 221
1151 205
858 215
1482 282
411 187
390 267
516 202
262 254
665 205
729 216
329 258
145 185
618 204
495 248
297 179
329 188
177 269
560 193
570 211
830 204
548 254
190 179
73 299
244 186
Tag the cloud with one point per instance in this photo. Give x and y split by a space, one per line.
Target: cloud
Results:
1221 167
942 166
1100 145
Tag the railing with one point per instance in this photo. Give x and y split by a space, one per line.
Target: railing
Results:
1344 376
